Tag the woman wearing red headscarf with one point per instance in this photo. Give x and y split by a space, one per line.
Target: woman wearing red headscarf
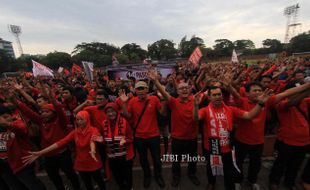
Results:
118 136
85 154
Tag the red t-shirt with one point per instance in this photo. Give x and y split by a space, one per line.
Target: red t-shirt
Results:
97 115
50 132
224 132
242 92
83 160
252 131
183 125
148 126
17 144
294 128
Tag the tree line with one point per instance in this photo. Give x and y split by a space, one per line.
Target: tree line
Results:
101 54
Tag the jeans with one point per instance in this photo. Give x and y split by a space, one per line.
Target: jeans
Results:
287 163
228 170
183 147
61 161
122 171
28 178
142 146
8 179
87 177
254 152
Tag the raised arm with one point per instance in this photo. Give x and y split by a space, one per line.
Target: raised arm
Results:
296 99
292 91
261 103
154 77
27 160
124 99
81 106
19 89
197 100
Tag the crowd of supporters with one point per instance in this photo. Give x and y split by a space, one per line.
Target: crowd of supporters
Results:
87 128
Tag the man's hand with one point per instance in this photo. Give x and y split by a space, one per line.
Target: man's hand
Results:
123 96
152 74
197 98
265 96
18 86
122 142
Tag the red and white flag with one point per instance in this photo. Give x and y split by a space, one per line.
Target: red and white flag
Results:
234 57
195 56
88 69
75 68
41 70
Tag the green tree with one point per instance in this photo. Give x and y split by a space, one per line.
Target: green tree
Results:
186 48
54 60
244 44
162 50
98 53
134 52
25 61
273 45
223 47
96 47
300 43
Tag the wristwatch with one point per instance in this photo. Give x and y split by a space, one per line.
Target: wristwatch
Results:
261 104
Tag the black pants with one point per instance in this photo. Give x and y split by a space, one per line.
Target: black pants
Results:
28 178
306 173
183 147
122 171
8 179
61 161
288 162
142 146
96 176
228 171
254 152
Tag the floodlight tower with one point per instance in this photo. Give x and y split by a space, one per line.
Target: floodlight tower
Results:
16 31
291 12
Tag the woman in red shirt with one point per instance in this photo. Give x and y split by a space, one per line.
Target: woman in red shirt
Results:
85 154
118 136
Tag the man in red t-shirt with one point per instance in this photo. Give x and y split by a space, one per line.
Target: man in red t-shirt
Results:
218 119
293 138
250 133
15 144
184 129
142 111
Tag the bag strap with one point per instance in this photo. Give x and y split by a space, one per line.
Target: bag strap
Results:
140 117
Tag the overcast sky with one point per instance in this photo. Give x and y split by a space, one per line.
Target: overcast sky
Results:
61 24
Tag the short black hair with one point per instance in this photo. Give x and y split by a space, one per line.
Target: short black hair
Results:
212 88
249 86
298 71
132 78
292 84
70 89
124 87
42 97
102 92
4 110
265 76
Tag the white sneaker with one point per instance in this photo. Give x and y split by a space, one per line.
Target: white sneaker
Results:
255 186
238 186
